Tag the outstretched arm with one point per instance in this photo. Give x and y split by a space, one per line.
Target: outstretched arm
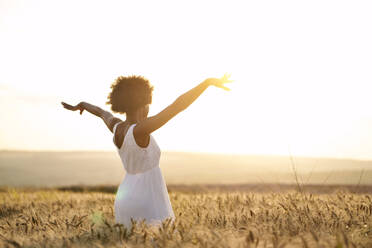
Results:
151 124
106 116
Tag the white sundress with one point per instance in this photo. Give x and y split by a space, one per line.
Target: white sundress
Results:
142 195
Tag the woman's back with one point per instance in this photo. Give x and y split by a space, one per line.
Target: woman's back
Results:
137 159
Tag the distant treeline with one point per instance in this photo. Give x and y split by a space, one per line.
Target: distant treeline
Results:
254 188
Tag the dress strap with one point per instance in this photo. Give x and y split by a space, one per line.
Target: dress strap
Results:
114 128
130 131
133 140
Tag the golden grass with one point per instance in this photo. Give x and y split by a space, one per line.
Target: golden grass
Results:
51 218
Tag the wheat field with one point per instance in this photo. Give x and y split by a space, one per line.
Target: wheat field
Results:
55 218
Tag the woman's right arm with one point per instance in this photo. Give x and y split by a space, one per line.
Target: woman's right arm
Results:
106 116
152 123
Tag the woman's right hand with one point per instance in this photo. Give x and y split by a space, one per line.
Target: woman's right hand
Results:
219 82
79 107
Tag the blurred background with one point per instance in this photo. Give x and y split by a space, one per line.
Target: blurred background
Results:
300 101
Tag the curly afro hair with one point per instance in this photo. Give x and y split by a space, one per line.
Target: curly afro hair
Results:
129 93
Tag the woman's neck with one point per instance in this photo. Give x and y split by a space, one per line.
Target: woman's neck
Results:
132 118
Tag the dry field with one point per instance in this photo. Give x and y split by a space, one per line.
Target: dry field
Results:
205 218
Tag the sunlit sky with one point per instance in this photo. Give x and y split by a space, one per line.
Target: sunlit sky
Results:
302 71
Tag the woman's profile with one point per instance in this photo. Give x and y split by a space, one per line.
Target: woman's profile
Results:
142 195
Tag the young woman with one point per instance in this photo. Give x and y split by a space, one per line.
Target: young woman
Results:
142 195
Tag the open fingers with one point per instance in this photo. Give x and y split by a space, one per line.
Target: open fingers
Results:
68 106
226 78
81 110
227 75
223 87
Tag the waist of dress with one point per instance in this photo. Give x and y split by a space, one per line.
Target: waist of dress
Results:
143 172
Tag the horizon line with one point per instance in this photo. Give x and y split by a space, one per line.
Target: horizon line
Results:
199 152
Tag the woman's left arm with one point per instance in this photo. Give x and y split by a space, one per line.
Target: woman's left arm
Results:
106 116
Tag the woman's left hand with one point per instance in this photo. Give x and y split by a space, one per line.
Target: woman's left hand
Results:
79 107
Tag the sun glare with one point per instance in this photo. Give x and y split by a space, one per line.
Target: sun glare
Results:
299 81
